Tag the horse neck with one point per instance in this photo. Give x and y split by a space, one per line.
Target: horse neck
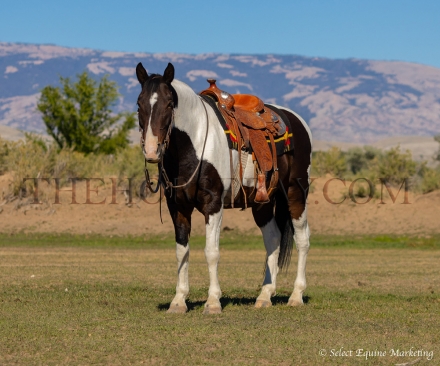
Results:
190 114
200 123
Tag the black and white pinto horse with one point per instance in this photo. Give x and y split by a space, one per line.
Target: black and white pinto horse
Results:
182 133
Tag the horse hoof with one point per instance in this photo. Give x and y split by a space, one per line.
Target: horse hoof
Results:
177 309
262 304
212 309
295 303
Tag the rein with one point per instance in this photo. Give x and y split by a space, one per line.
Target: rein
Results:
163 177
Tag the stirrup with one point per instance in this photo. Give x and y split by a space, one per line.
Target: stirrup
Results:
261 195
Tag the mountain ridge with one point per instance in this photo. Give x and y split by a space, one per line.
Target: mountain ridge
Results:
346 100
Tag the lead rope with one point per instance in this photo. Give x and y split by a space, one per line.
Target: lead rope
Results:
148 181
158 187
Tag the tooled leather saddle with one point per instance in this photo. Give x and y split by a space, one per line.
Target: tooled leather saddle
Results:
254 125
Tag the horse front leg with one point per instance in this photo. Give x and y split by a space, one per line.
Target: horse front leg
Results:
182 227
212 254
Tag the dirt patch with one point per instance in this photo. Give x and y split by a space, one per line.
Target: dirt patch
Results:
418 215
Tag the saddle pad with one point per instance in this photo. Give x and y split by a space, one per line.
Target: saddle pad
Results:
236 178
283 143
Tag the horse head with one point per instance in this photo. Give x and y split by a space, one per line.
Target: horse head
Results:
156 104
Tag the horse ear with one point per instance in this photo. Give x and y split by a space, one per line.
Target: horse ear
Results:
141 73
168 74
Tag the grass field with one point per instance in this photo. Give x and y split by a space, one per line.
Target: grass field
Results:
81 300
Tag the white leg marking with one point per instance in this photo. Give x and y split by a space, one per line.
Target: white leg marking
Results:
212 254
178 304
271 237
301 236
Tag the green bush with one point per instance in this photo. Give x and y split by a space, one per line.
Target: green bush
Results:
329 162
437 138
359 159
430 180
35 158
27 159
394 166
130 163
4 150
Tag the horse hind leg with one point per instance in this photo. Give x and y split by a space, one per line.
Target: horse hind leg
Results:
271 237
301 237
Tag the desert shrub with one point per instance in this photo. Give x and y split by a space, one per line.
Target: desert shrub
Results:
358 159
393 166
4 150
329 162
373 165
28 159
437 138
364 187
430 180
36 158
130 163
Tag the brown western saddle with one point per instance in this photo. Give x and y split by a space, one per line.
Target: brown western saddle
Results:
254 125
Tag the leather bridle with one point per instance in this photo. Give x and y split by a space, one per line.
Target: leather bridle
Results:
162 147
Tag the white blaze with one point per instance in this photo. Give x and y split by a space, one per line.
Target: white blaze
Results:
151 140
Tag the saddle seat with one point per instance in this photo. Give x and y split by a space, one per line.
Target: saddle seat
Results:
254 125
248 102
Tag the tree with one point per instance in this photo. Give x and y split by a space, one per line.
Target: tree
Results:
78 115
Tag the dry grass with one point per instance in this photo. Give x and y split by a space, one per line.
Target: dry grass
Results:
64 304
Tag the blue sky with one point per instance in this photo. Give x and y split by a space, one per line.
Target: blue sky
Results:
379 30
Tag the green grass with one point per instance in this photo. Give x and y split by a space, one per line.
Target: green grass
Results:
230 240
81 300
379 242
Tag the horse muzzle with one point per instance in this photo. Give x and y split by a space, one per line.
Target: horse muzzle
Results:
153 155
153 160
152 149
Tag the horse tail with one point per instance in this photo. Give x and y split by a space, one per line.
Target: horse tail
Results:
284 223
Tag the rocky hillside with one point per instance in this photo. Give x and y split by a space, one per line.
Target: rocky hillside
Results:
348 100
